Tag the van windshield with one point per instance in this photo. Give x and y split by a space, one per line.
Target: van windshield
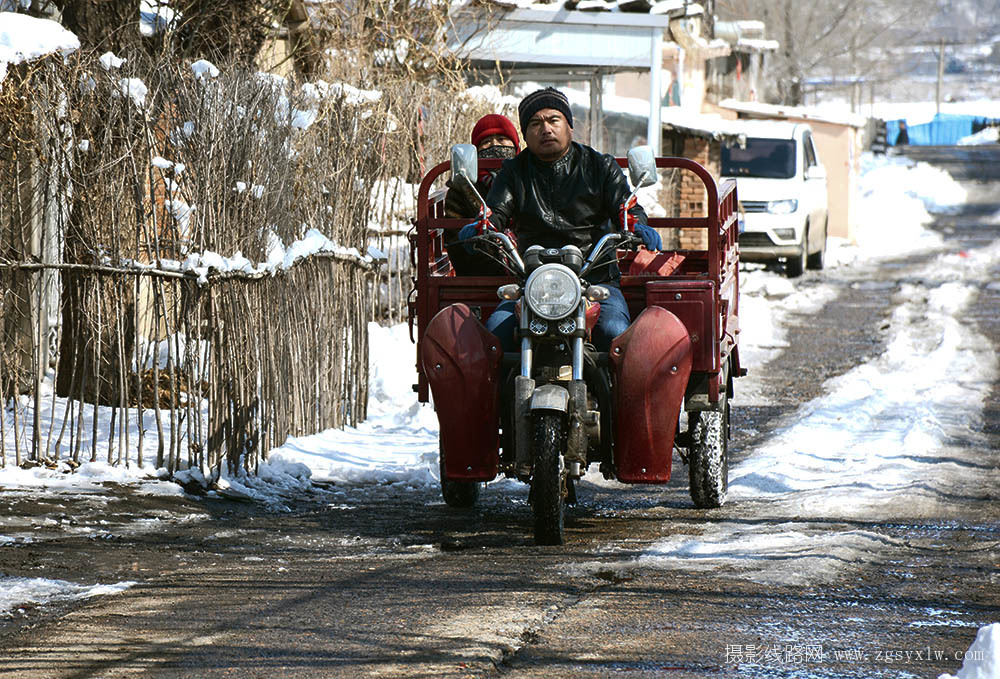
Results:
771 158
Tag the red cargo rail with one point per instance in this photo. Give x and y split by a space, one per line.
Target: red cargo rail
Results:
700 287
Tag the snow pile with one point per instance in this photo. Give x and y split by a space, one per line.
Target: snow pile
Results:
783 553
882 434
90 476
989 135
109 60
24 38
491 95
17 592
279 257
897 197
982 660
156 16
905 400
135 89
203 68
396 444
766 300
313 95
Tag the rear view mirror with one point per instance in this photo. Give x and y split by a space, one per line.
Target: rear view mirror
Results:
641 166
465 162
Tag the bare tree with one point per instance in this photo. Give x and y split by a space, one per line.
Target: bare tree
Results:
847 39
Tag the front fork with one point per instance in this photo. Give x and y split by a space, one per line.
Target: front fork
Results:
567 397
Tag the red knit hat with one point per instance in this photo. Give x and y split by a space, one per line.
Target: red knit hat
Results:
495 123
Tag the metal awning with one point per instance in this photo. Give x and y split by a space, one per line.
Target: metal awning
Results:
566 45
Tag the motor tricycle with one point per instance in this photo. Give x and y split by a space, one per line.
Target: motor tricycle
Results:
547 413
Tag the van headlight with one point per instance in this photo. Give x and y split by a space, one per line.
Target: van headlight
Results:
552 291
782 207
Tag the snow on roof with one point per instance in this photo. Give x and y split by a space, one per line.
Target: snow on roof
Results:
768 129
750 25
24 38
755 45
704 125
777 111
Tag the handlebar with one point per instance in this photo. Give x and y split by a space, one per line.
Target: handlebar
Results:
615 237
504 243
607 241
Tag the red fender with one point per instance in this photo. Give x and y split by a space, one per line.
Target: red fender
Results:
651 362
461 360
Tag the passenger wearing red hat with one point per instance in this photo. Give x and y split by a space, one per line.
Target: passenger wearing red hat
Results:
494 136
495 130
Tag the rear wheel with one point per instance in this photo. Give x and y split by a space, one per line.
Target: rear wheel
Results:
460 494
796 264
708 467
817 259
548 487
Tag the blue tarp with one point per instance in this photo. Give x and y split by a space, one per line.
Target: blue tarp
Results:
944 130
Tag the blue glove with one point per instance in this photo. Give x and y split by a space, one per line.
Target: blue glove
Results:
465 233
649 237
468 231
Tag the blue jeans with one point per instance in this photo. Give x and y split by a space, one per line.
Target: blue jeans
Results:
613 321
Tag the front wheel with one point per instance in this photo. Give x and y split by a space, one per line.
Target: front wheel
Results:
548 481
796 265
817 259
460 494
708 467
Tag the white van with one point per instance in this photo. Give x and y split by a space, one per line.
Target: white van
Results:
782 191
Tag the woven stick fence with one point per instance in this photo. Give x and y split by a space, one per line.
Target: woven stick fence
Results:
125 338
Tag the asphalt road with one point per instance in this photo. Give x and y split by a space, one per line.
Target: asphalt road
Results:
390 582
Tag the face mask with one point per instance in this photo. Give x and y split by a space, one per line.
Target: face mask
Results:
503 152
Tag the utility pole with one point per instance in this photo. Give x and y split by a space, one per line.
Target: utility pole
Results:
940 77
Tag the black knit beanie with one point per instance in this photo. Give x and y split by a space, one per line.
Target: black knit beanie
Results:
550 97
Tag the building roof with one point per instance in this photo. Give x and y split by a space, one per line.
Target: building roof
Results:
758 110
608 40
755 45
704 126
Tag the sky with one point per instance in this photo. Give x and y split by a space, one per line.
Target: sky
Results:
847 466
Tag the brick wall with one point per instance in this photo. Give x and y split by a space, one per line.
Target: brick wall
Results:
693 197
684 194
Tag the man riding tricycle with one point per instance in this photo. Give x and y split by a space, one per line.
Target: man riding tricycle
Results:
540 374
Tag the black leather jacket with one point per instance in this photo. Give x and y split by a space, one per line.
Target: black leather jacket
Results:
574 200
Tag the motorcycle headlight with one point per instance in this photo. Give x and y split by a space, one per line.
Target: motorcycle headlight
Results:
552 291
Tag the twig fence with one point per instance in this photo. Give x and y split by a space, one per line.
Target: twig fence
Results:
120 342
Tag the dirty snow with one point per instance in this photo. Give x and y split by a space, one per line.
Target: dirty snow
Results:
17 593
